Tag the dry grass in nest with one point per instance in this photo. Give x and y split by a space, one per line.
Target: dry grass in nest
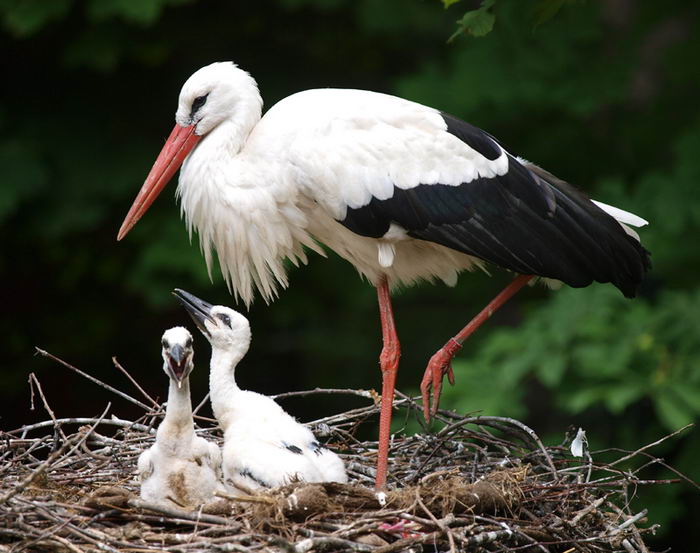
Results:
477 484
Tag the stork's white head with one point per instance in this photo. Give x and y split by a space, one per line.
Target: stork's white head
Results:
177 353
214 93
225 328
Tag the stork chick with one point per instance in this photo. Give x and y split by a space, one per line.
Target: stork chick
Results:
264 446
180 469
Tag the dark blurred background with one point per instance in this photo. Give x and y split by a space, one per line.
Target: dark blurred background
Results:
603 94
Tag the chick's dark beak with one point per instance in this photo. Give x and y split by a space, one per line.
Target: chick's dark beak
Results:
177 361
198 309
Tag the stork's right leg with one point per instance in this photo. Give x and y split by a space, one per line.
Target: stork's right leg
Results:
440 364
389 364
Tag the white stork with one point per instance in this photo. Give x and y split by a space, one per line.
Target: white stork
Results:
180 469
402 191
264 446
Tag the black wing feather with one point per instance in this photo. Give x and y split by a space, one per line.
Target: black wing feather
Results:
526 220
479 140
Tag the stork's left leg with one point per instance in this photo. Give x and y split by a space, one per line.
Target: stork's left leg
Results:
440 364
389 364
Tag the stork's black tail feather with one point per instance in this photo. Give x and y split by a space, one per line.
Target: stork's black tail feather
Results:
619 257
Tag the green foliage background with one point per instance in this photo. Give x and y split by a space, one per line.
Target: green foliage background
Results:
603 94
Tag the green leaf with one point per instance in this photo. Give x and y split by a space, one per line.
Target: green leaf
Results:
477 22
448 3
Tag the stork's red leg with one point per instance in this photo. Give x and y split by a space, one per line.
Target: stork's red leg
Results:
440 364
389 364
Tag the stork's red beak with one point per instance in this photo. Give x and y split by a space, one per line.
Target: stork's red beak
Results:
179 144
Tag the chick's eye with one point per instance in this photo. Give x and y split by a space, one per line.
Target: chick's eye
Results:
188 343
165 343
224 318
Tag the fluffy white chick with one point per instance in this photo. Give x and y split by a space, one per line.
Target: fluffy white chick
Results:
264 446
180 469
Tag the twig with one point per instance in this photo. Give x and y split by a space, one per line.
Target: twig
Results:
586 510
50 534
79 438
47 537
180 513
630 521
201 404
441 525
353 414
34 381
114 421
93 379
507 420
648 446
248 498
640 542
328 542
153 402
332 391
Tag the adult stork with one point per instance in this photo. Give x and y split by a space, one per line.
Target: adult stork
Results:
402 191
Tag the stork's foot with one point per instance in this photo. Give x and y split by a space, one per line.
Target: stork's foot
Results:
439 365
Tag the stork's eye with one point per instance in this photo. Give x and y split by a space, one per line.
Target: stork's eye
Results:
224 318
197 103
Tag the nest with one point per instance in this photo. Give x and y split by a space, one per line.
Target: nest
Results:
477 484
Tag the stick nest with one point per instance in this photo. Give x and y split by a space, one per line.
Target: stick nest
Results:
477 484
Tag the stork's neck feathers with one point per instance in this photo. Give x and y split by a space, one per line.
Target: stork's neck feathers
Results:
231 134
222 382
178 413
247 210
243 115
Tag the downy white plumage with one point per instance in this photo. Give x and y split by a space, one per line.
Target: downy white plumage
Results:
180 469
263 445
